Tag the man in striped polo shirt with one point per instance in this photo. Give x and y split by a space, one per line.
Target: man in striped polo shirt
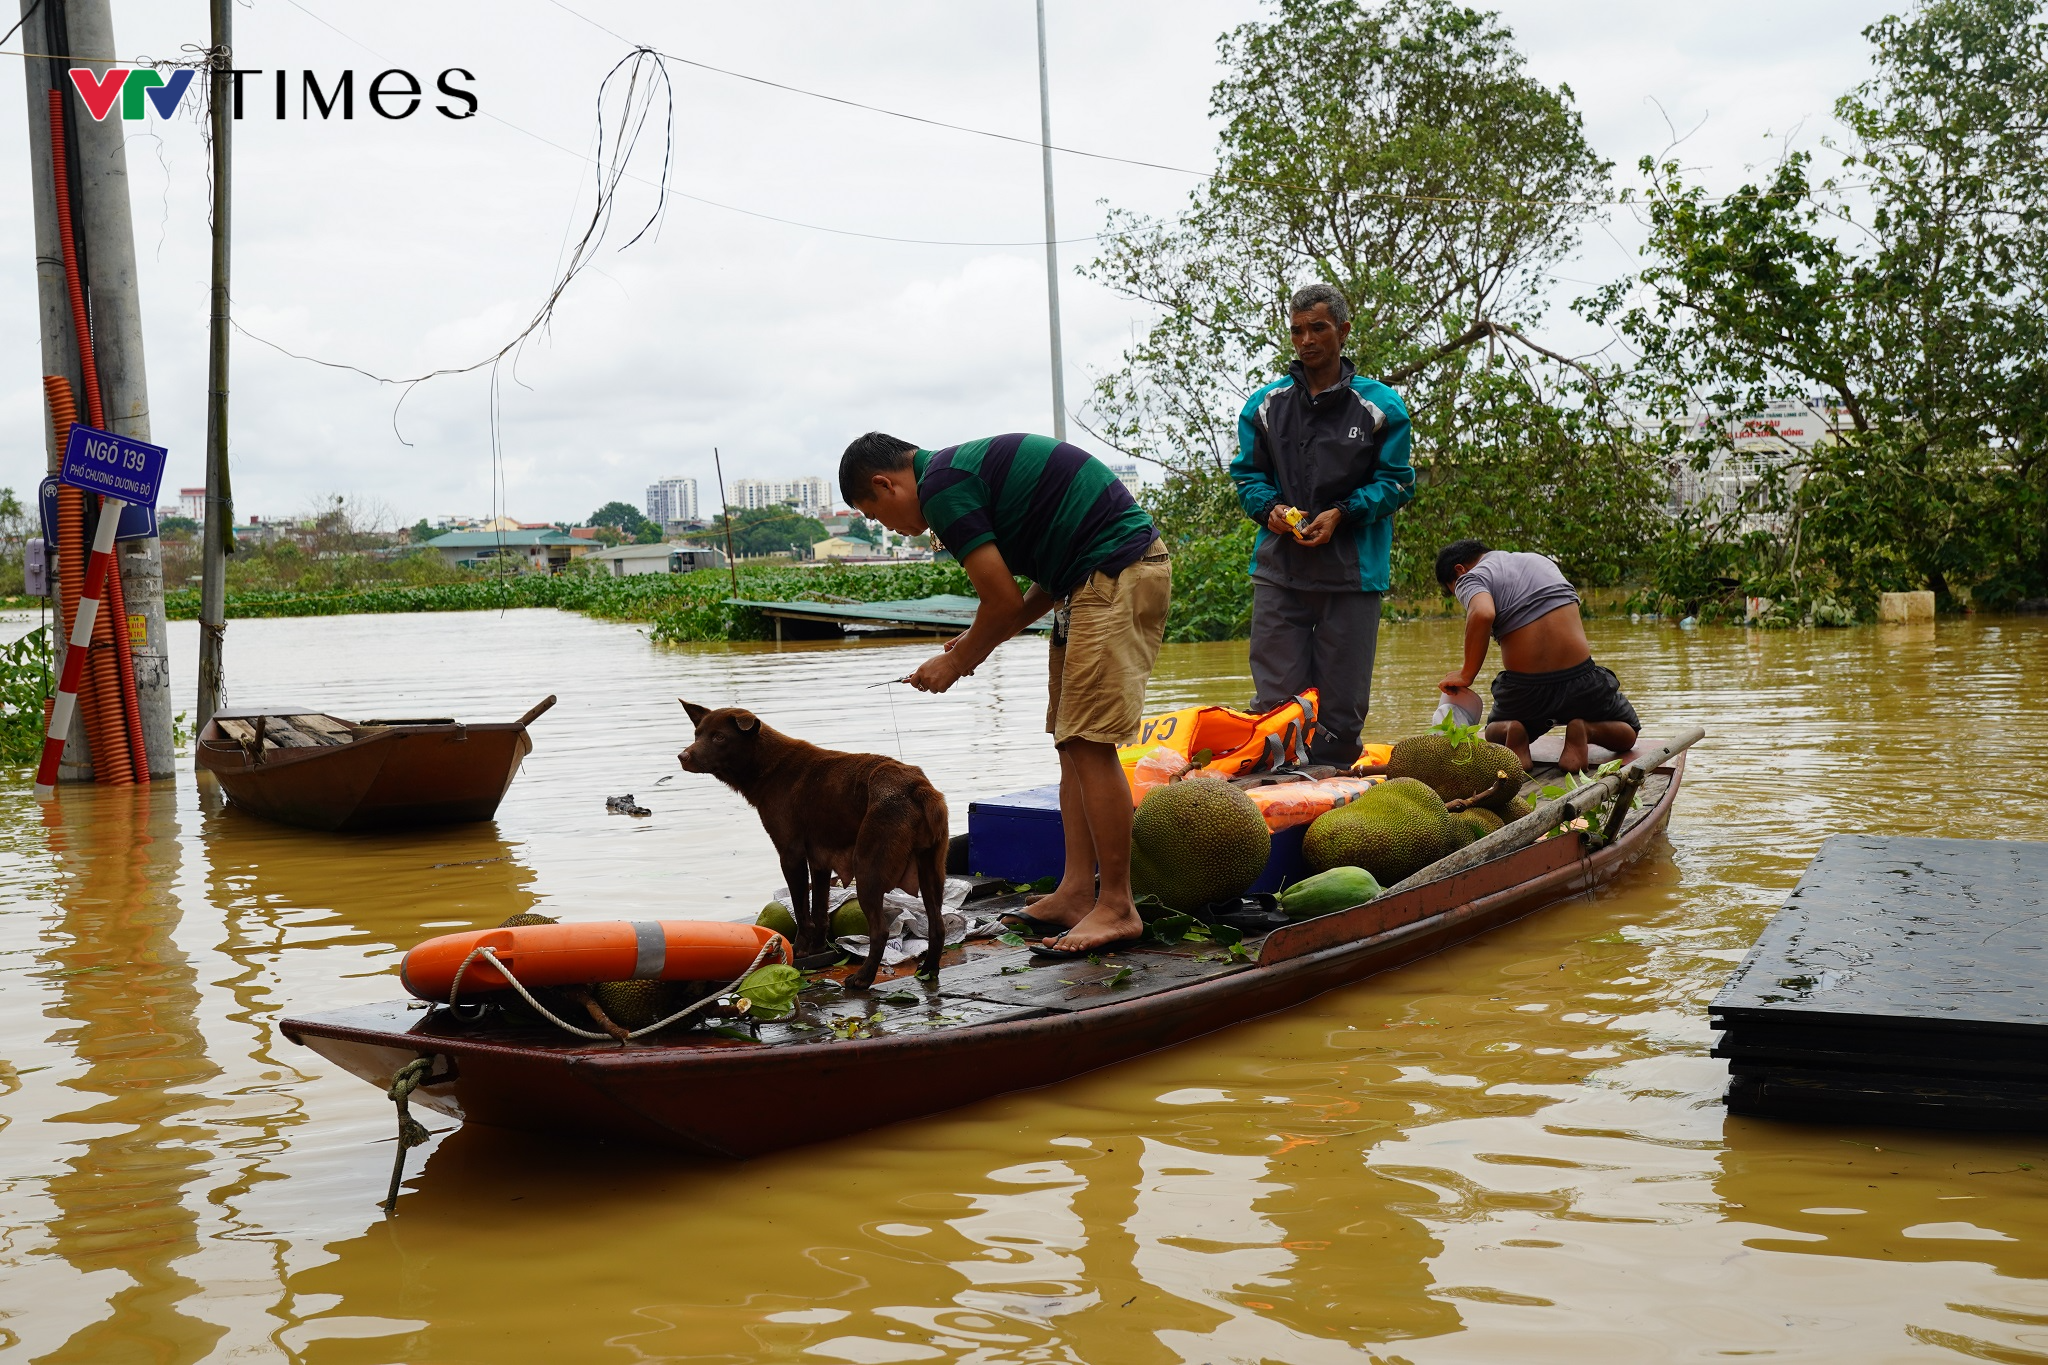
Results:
1050 512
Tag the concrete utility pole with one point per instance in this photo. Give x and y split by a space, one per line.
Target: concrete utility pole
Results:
53 309
217 530
81 33
1052 252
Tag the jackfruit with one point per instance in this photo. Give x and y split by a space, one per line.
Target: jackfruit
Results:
1479 820
636 1004
1196 842
1455 771
1396 829
1514 810
530 917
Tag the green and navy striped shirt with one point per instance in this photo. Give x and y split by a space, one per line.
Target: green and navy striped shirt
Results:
1055 512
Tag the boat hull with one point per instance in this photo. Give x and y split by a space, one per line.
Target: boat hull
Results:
400 777
722 1098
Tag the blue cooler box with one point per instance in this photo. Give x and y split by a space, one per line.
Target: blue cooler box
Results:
1018 839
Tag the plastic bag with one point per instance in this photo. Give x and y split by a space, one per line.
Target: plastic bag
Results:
1298 803
1156 769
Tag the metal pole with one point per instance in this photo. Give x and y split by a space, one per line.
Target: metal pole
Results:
1052 253
108 234
53 305
216 534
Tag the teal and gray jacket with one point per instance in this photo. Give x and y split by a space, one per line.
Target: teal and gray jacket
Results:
1346 447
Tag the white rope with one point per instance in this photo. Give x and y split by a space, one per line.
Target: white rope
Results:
506 972
484 951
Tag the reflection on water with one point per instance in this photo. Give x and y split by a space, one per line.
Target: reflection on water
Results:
1514 1150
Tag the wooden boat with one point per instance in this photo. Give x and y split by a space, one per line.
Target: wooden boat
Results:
997 1021
303 767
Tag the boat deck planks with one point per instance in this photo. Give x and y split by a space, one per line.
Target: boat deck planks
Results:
1904 981
1017 977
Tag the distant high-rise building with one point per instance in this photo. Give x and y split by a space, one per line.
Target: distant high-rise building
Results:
672 500
812 496
1127 475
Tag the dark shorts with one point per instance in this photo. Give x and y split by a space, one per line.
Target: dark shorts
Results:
1541 700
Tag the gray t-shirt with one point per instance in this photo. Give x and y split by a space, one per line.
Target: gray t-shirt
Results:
1523 587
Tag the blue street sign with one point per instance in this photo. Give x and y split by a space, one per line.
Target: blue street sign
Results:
112 466
138 520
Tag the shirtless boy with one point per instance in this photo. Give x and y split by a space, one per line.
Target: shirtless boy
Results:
1547 674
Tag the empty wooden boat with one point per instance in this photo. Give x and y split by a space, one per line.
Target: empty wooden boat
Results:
304 767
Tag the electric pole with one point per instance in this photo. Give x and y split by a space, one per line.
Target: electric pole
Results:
1052 251
81 33
217 531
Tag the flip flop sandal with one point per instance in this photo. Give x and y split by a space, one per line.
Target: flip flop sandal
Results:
1031 925
1077 954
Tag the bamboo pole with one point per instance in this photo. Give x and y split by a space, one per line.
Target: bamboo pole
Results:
731 562
1548 816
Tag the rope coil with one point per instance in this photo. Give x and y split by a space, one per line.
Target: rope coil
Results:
489 955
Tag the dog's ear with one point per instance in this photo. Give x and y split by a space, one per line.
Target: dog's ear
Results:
696 712
747 721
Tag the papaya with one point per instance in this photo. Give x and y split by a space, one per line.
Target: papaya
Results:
1340 888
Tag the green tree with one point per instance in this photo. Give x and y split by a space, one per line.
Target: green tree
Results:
1403 154
766 530
1904 296
623 516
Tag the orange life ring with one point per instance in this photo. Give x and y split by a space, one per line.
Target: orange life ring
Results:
573 954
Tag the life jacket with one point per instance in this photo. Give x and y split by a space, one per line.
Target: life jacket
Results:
1238 741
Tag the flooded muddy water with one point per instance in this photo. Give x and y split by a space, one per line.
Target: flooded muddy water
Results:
1514 1150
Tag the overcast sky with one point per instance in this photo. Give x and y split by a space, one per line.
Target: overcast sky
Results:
406 246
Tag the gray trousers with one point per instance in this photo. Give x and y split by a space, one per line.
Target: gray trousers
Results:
1324 640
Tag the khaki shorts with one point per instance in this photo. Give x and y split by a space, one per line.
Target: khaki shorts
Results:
1101 662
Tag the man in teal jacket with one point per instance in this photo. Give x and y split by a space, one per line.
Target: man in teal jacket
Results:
1322 466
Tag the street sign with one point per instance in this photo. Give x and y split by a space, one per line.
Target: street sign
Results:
112 466
138 520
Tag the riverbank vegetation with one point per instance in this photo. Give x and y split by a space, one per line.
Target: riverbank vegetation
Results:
25 682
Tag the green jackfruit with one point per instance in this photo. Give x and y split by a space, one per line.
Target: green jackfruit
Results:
636 1004
1196 842
530 917
1514 809
1479 820
1396 829
1454 771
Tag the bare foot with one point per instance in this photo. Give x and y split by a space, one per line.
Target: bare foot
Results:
1511 733
1101 926
1062 906
1575 759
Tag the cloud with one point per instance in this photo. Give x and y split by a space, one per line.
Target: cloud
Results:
405 246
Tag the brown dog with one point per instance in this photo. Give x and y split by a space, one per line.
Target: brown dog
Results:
863 816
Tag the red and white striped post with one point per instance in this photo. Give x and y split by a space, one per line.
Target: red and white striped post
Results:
97 566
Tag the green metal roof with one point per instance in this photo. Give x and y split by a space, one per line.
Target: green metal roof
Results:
947 611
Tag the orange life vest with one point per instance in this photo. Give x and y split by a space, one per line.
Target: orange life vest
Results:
1238 742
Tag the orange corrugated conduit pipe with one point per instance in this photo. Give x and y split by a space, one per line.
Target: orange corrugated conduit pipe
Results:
113 684
99 701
